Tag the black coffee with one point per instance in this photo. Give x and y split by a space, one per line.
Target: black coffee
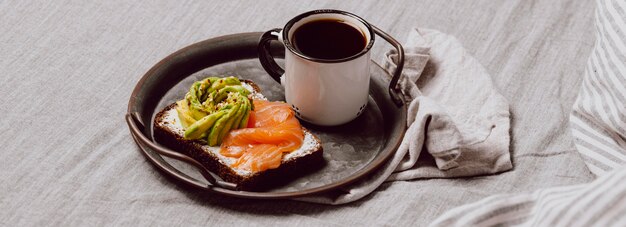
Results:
328 39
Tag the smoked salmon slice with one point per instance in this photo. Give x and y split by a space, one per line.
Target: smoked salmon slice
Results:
272 130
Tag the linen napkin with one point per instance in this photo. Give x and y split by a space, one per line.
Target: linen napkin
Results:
458 123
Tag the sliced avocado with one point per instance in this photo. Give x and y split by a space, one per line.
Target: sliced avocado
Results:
214 106
196 109
204 86
232 122
223 93
196 130
219 124
246 116
210 103
232 116
183 113
240 114
222 82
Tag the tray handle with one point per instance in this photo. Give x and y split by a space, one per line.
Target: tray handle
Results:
134 124
394 90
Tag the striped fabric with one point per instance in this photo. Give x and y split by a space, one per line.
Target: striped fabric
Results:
599 203
598 119
598 123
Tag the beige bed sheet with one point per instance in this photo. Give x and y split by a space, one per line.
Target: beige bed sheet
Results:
68 68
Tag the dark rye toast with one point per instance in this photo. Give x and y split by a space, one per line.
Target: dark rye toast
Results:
169 132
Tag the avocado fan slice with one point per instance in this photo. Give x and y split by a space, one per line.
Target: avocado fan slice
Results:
233 121
214 106
196 130
243 122
183 113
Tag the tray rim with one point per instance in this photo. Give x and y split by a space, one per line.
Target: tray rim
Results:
165 168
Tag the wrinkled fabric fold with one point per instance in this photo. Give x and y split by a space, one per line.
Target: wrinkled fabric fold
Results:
599 138
455 115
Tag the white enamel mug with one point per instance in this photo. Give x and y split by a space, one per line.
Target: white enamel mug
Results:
325 92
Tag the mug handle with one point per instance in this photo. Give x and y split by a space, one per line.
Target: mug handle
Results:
394 90
267 61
